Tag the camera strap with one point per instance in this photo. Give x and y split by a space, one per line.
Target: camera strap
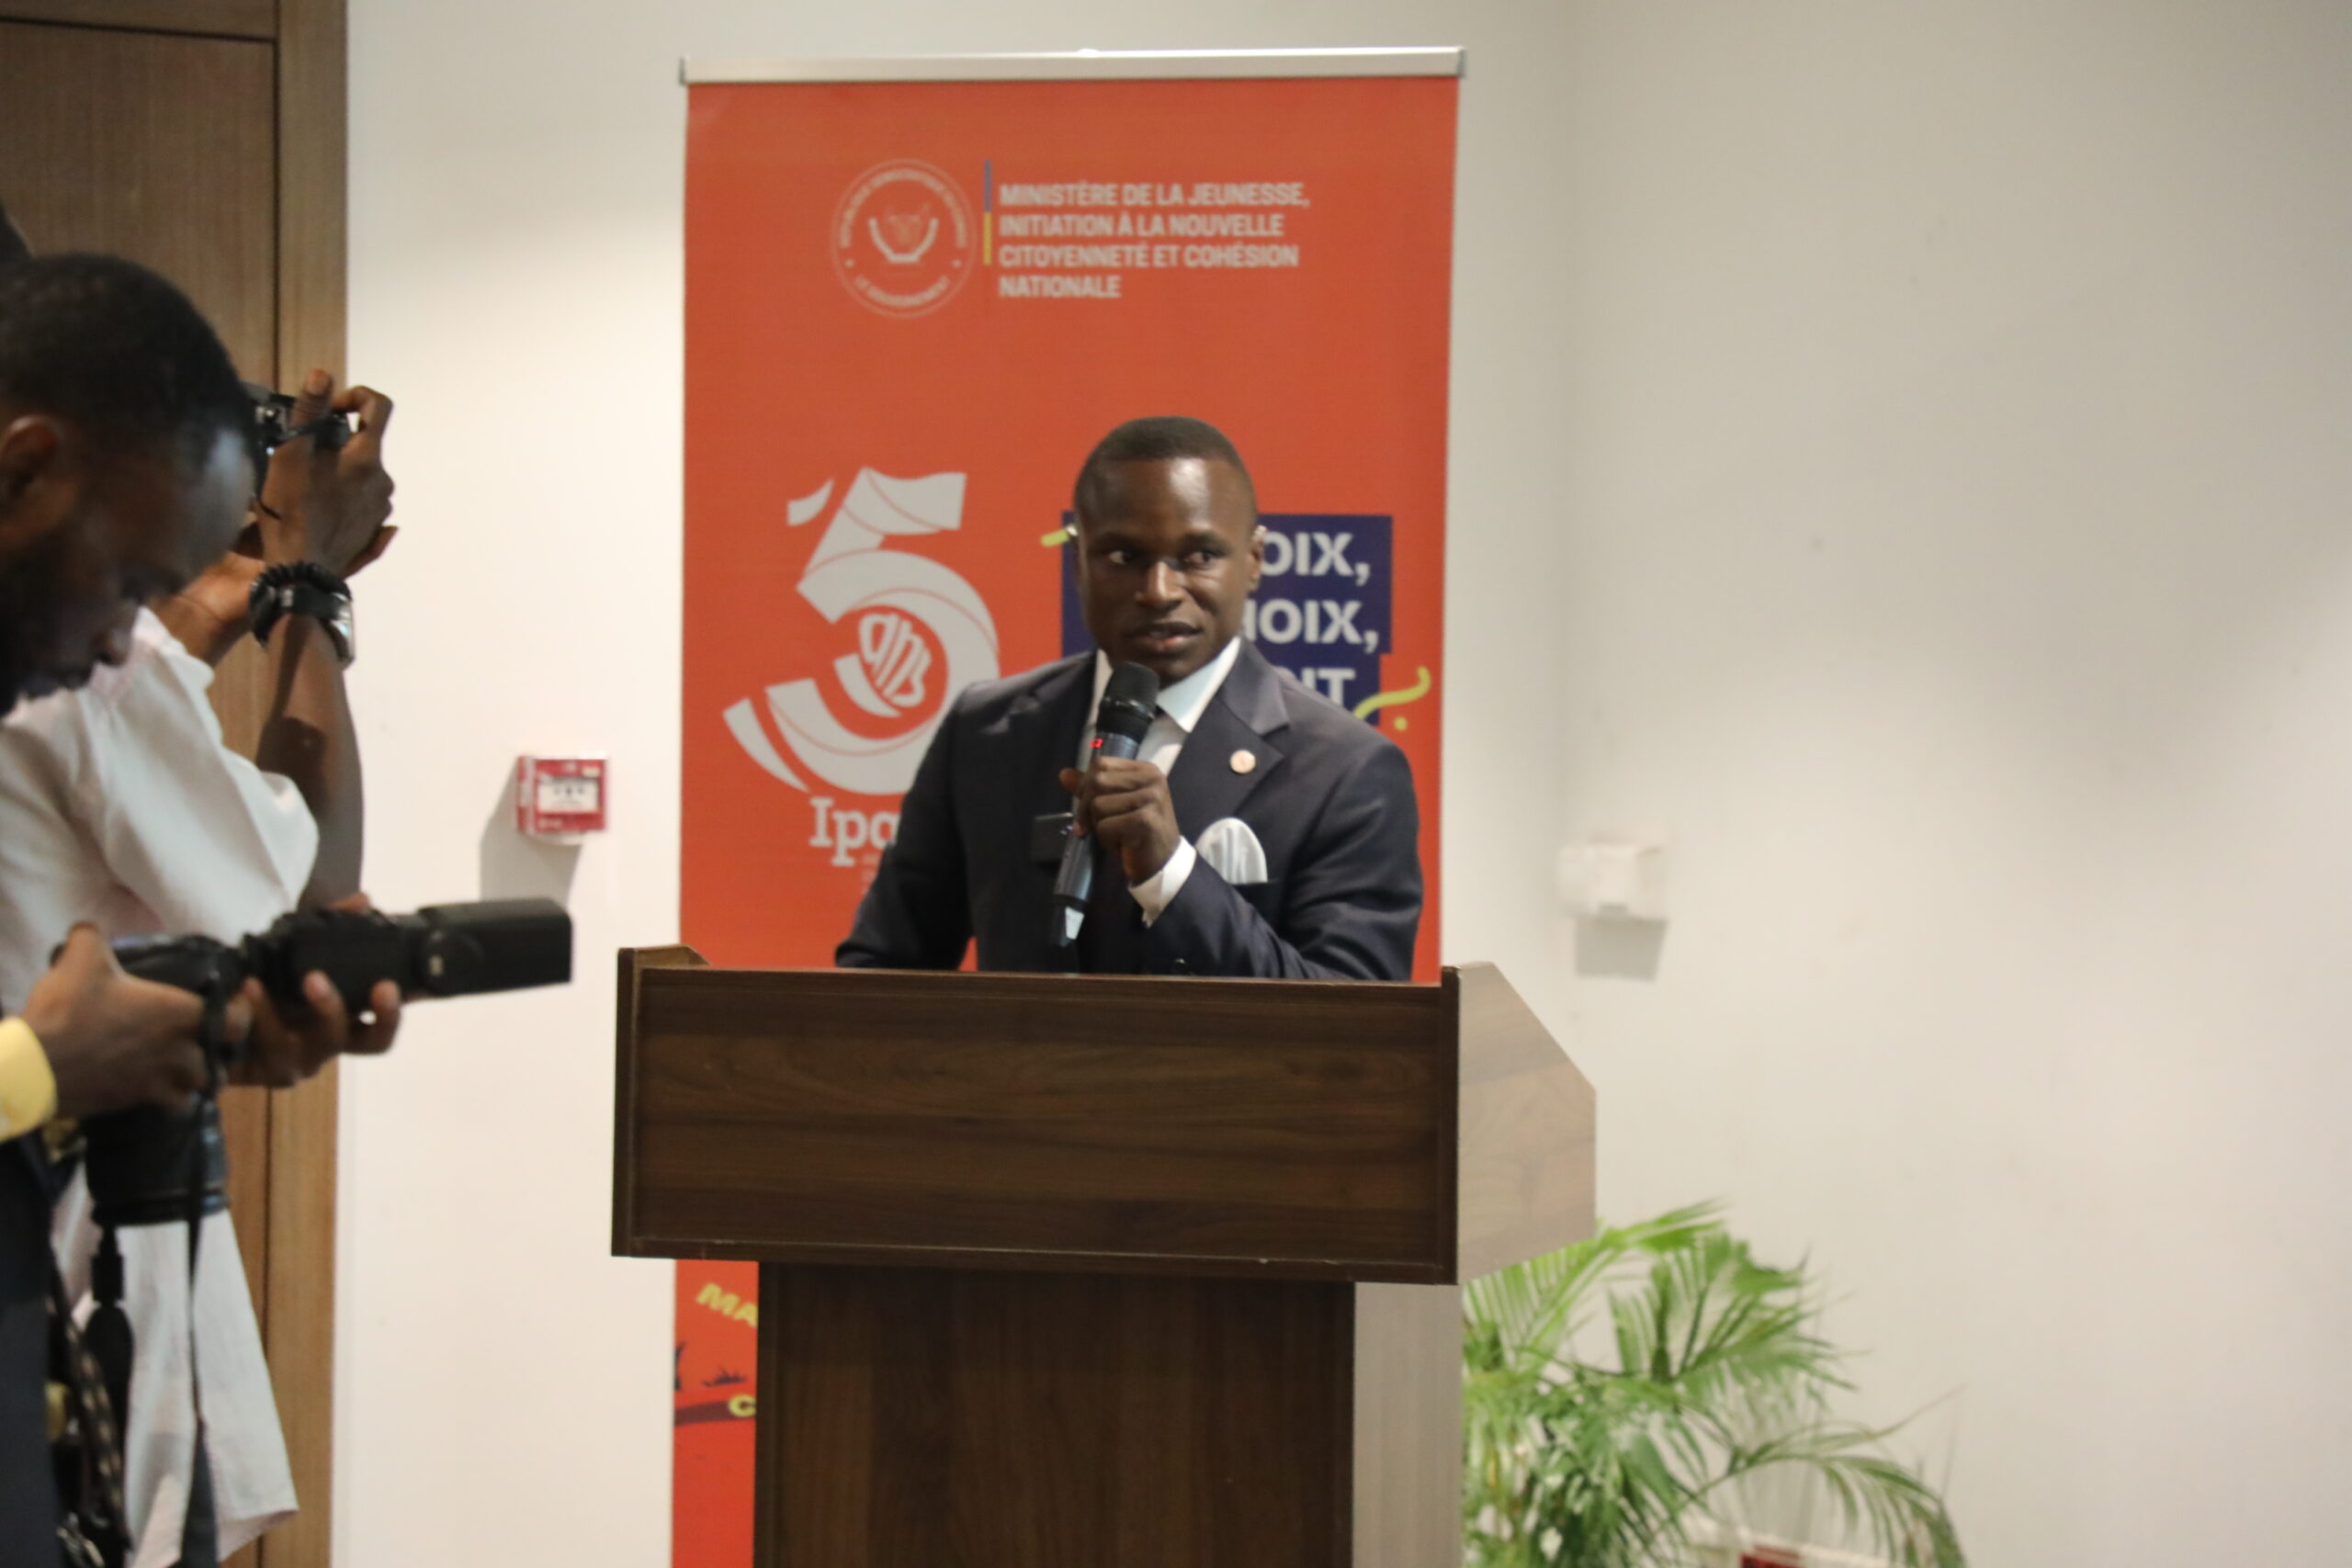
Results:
216 1045
196 1528
105 1346
107 1334
97 1523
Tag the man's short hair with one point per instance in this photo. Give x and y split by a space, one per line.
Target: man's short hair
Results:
119 351
1157 439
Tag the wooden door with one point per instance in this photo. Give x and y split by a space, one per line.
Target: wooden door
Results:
205 138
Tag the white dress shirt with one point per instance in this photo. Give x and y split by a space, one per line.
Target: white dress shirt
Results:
1181 704
119 804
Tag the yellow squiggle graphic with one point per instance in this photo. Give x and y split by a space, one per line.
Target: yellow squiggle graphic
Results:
1057 537
1379 699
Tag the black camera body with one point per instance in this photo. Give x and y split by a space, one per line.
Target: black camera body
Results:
443 950
273 424
143 1165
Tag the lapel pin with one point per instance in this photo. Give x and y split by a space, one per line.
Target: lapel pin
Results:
1243 762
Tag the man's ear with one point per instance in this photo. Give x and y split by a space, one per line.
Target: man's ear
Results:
1257 554
35 495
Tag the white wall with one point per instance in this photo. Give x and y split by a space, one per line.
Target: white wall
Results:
1907 443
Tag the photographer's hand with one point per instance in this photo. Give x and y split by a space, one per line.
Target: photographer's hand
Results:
286 1047
215 612
328 505
114 1042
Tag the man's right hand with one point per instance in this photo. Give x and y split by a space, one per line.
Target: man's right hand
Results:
114 1042
329 505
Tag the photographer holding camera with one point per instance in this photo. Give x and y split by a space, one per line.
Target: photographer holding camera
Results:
119 802
125 475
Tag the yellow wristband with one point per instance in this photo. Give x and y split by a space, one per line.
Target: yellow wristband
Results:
27 1089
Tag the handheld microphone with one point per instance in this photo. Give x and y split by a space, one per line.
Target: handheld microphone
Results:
1128 701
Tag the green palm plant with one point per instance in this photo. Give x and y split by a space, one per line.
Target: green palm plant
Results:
1719 1376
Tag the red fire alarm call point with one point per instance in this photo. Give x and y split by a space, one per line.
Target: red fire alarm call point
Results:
560 798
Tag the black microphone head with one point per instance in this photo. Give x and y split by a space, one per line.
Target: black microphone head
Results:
1129 699
1132 683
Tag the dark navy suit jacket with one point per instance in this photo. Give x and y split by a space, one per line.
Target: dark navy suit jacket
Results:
28 1488
1329 798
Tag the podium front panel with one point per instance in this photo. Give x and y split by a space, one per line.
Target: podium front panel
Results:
915 1418
1265 1129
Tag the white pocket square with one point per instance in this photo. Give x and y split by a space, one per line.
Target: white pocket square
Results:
1229 846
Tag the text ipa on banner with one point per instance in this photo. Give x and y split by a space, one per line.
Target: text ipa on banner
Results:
912 307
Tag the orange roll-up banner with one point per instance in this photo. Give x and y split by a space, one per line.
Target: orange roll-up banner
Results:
911 309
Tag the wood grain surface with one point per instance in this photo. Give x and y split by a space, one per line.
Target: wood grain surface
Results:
1406 1427
162 149
1169 1263
201 19
1167 1126
311 70
629 1054
915 1418
314 46
1526 1136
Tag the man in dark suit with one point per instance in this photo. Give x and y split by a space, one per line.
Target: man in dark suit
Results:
1262 831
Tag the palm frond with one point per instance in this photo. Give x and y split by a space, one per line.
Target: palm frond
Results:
1720 1374
1534 1304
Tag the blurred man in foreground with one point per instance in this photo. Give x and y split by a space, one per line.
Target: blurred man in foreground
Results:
124 473
120 804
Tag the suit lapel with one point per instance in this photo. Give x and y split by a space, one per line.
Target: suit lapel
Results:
1244 717
1012 779
1041 731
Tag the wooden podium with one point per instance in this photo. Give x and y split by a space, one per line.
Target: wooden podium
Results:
1098 1271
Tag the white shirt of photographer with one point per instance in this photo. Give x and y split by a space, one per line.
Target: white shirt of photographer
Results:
120 804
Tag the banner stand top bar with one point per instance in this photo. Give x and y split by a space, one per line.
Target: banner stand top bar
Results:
1087 65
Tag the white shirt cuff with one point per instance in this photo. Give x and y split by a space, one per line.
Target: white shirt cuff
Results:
1160 890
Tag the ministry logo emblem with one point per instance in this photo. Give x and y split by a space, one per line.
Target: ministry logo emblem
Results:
902 239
